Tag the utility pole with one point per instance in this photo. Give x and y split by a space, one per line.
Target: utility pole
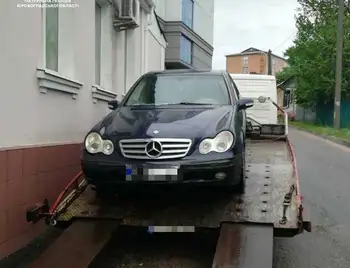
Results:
338 67
269 62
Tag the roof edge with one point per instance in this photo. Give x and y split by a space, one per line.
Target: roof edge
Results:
253 53
160 28
284 82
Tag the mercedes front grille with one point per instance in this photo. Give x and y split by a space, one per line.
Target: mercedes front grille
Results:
155 148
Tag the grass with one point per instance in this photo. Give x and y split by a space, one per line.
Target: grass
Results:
342 134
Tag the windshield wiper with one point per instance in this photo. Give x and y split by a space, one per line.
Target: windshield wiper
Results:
189 103
174 103
141 104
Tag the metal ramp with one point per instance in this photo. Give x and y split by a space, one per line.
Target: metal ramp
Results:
243 246
77 246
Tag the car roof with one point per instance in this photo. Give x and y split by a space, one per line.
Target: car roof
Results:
188 72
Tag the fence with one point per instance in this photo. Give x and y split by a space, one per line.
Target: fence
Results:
324 114
305 115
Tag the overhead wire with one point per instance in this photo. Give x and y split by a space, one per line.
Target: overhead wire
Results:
287 39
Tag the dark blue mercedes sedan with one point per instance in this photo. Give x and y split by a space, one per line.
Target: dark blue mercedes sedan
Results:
173 127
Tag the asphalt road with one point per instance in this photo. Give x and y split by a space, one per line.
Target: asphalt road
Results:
324 171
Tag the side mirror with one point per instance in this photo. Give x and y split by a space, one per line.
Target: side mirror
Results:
245 103
113 104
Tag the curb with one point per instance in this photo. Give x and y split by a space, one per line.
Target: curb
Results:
335 140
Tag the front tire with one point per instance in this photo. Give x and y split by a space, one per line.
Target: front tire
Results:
241 185
241 173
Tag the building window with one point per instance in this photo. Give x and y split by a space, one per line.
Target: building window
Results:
186 49
245 60
57 65
245 70
58 40
286 99
51 38
98 25
187 12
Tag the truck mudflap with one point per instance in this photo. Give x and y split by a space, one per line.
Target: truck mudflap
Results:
272 196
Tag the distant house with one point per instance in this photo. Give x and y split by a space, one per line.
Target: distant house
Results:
253 61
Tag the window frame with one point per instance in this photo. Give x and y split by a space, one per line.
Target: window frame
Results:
245 60
60 75
286 98
98 42
187 13
235 92
184 41
47 33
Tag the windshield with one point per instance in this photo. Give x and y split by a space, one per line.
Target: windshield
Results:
185 89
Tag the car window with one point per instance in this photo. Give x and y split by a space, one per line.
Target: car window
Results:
235 87
158 89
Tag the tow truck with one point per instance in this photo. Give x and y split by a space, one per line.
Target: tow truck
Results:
271 206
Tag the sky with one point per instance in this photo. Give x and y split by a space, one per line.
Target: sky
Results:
263 24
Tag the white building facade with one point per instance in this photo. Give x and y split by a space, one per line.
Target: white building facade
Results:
188 26
58 68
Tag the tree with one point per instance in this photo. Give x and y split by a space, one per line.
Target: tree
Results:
312 57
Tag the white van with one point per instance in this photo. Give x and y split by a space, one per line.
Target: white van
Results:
253 86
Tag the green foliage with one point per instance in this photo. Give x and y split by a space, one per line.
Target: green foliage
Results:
312 57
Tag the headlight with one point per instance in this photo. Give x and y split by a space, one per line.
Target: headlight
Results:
95 144
220 144
205 146
108 147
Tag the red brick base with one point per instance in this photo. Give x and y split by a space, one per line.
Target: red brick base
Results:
27 176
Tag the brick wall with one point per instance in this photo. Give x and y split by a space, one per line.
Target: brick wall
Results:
28 176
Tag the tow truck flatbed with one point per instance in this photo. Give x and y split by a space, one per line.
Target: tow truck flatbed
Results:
269 177
271 206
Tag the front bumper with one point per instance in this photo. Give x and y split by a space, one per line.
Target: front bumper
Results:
103 174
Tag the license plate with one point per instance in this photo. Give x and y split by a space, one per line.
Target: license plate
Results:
161 171
131 173
171 229
160 174
151 174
